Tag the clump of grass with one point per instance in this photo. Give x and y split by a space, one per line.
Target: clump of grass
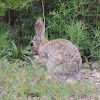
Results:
30 81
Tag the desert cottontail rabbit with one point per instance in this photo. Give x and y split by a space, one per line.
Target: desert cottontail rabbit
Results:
60 55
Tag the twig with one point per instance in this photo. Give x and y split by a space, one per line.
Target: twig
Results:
28 59
86 59
43 12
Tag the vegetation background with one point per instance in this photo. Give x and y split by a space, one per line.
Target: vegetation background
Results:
75 20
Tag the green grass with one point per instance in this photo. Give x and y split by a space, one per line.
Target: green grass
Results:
21 81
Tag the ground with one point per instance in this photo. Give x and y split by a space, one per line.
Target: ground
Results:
30 82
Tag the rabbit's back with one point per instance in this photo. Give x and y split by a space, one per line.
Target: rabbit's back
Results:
59 47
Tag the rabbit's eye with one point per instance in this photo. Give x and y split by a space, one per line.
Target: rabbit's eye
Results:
32 43
43 19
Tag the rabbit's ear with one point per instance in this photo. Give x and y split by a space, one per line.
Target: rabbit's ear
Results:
39 27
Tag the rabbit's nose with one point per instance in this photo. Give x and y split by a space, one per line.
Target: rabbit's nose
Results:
32 43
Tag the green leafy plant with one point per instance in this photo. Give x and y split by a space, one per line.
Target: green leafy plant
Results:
18 53
12 4
67 12
76 33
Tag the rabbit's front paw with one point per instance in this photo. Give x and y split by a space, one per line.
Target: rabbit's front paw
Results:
36 57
